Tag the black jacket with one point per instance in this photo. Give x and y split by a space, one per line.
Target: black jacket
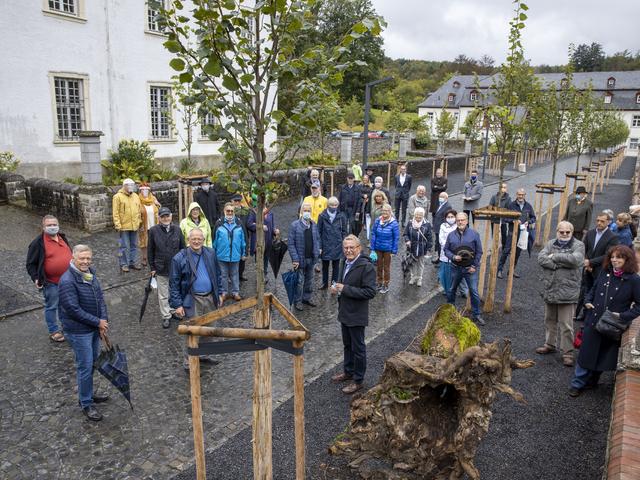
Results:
350 200
209 203
596 256
439 216
359 288
402 191
438 185
35 258
162 247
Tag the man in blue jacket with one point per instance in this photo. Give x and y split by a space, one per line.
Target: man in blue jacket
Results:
230 244
304 249
83 314
464 249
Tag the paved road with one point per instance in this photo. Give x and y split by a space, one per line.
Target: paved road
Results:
41 431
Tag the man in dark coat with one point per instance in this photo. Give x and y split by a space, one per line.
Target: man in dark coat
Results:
438 185
356 287
207 198
403 189
597 243
527 221
442 207
350 200
579 210
333 227
165 241
500 200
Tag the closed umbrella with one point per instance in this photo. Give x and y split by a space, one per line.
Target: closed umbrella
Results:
112 364
276 254
147 291
290 280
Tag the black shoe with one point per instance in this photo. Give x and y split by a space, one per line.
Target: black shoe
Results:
324 286
574 392
499 273
479 321
515 275
209 361
309 302
100 398
298 307
91 413
165 322
243 279
175 318
436 261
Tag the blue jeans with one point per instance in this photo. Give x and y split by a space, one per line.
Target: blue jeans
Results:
305 280
86 347
128 252
471 279
229 274
50 292
444 275
583 376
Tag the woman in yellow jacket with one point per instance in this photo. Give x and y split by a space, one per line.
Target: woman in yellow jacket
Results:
150 206
196 219
127 217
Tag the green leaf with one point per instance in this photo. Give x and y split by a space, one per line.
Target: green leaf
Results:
173 46
177 64
230 83
213 67
246 78
523 7
523 16
185 77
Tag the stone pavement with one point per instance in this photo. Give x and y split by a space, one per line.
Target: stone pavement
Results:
43 434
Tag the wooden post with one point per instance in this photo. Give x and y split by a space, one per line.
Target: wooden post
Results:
592 186
331 173
493 271
433 166
547 221
262 404
388 175
538 209
180 201
512 263
483 260
298 411
563 199
444 164
196 409
601 172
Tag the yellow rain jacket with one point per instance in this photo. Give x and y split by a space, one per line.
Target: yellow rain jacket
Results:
187 224
318 205
126 211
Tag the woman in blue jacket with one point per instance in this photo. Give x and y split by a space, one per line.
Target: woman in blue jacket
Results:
384 240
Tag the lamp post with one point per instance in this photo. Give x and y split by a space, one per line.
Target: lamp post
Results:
367 107
485 149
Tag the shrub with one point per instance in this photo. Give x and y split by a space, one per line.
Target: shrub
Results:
74 180
423 139
8 162
134 160
187 165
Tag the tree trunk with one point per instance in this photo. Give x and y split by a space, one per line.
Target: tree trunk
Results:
578 162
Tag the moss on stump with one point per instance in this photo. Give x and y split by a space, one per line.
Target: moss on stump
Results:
449 333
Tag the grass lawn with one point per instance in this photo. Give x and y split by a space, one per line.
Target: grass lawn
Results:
380 120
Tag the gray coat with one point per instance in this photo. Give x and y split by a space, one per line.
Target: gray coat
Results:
474 192
579 214
561 271
414 202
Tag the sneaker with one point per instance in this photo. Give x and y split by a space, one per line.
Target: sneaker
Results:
124 268
574 392
545 349
412 282
479 320
515 275
384 289
166 322
352 388
419 283
341 377
136 266
500 274
309 302
567 360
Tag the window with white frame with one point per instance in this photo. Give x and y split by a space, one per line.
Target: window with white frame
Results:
160 108
69 7
611 82
207 120
635 121
70 108
637 97
633 144
455 116
152 13
429 116
473 96
451 97
607 98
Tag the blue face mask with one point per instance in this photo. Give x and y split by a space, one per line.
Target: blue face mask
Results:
441 201
332 209
473 178
306 215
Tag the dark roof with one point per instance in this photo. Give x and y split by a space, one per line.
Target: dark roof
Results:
627 86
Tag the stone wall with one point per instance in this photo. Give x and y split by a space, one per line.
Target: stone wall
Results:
12 188
377 147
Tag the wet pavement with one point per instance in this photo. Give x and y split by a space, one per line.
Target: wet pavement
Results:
44 435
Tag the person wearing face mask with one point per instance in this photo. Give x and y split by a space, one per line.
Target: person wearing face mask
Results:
270 233
419 240
207 198
304 250
48 258
438 219
317 201
385 236
165 241
366 189
127 218
446 227
578 212
561 260
150 206
418 199
471 194
527 222
350 199
230 245
333 227
439 184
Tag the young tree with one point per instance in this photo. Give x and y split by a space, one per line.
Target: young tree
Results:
472 125
582 120
396 123
353 113
188 113
445 124
326 118
233 53
610 130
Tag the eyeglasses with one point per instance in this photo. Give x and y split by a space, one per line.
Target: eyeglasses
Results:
460 220
564 232
351 248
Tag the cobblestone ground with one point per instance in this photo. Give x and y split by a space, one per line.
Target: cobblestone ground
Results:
44 435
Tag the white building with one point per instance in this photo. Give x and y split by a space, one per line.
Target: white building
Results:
72 65
460 94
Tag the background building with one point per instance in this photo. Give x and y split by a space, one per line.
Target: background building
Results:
460 94
74 65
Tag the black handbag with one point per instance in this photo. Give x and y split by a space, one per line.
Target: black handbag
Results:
608 325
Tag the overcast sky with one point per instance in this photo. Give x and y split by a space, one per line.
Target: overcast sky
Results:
442 29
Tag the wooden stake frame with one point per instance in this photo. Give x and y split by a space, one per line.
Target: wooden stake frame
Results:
186 185
550 190
196 327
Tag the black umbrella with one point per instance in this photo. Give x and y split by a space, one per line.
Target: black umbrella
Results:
276 254
290 280
147 291
112 364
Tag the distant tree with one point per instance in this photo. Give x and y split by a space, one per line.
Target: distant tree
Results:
445 125
396 123
353 113
610 131
326 118
622 61
588 58
472 125
487 61
582 115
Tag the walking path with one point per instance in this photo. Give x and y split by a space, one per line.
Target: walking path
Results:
42 432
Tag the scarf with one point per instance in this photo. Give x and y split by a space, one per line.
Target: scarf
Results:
563 243
87 277
147 201
617 273
417 225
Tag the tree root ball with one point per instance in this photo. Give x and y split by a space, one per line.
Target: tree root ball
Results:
427 415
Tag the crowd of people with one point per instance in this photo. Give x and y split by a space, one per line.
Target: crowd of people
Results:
350 238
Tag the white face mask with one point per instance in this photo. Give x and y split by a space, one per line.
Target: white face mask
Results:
206 187
451 221
130 188
145 192
306 215
52 230
378 184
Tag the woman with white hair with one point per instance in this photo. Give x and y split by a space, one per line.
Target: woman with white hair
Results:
419 240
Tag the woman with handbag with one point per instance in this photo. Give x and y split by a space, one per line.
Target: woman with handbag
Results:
419 240
611 305
561 260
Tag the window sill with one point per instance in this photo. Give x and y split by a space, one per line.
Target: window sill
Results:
66 16
66 143
162 140
156 34
206 140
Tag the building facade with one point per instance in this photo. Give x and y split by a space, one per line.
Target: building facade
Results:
73 65
461 93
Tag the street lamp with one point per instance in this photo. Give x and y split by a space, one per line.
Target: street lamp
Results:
367 107
485 149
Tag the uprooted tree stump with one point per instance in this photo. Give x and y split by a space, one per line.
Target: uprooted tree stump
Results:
432 406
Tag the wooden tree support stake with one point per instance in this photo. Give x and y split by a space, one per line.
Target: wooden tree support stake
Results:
483 260
547 220
512 262
298 411
196 409
493 271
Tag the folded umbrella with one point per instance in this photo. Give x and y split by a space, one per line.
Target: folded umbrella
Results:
290 280
112 364
276 254
406 263
147 291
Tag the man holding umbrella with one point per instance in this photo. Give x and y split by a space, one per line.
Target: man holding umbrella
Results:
83 314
